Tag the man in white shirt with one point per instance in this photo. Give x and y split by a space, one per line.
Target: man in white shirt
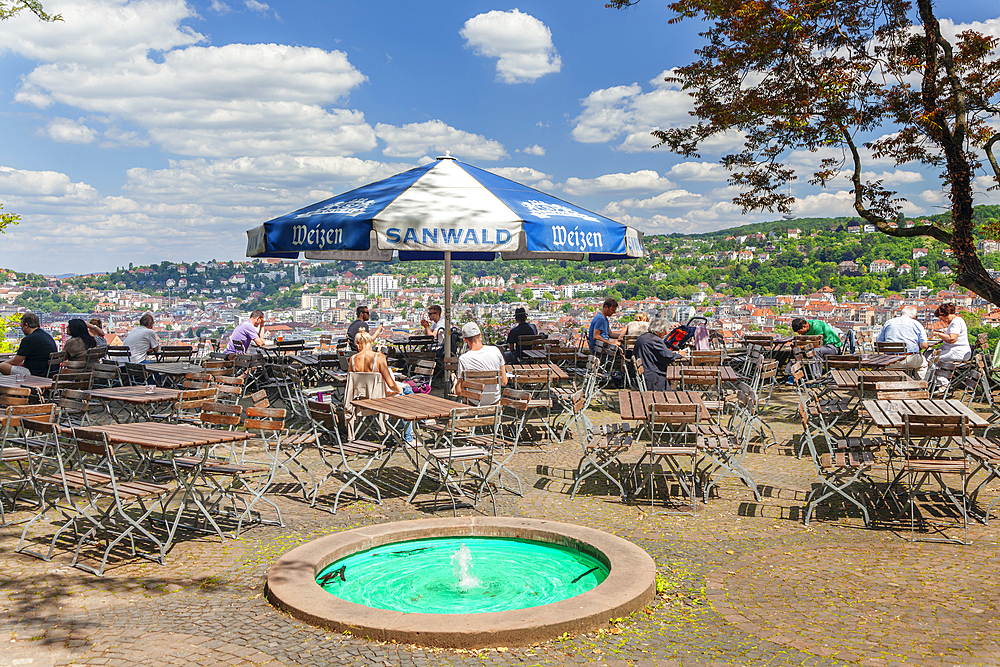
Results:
481 358
906 329
142 340
434 326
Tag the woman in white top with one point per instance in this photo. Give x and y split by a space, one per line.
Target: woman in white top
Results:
955 337
638 325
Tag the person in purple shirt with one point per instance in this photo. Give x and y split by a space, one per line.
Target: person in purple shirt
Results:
246 333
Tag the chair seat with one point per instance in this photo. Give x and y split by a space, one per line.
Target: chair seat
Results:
982 449
13 454
940 465
134 489
463 453
852 458
234 469
355 447
74 479
672 451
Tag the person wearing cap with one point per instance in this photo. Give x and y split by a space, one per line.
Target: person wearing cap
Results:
480 358
523 328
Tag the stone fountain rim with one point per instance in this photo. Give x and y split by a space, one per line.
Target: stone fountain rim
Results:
630 586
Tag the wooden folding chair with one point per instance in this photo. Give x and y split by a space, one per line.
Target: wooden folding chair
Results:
600 453
673 436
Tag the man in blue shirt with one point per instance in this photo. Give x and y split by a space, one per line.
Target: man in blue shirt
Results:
906 329
600 326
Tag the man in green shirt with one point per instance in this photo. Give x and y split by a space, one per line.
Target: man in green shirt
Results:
831 339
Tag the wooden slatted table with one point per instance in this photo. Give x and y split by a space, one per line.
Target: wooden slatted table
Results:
30 381
851 379
632 405
173 368
172 440
881 360
135 401
728 372
888 415
412 407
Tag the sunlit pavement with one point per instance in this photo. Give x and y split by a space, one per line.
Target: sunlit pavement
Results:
745 583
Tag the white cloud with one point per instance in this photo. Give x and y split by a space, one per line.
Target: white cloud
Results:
531 150
522 43
644 180
45 184
66 130
416 139
698 171
669 199
610 113
97 33
237 99
527 175
255 6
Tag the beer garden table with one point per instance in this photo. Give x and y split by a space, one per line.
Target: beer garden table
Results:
409 408
881 360
633 405
556 374
851 379
169 440
135 401
728 372
888 415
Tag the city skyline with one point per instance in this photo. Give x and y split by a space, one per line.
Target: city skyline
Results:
150 130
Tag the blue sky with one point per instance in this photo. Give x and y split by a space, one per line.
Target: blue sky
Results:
149 130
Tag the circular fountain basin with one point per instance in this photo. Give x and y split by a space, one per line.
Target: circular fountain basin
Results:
423 605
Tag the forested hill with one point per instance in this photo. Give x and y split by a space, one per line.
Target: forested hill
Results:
984 215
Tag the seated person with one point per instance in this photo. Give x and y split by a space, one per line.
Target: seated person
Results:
905 329
360 324
32 356
638 325
600 326
655 354
523 328
142 340
247 333
480 358
80 340
96 328
831 338
367 360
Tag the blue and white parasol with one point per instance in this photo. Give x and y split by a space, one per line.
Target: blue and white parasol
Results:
447 210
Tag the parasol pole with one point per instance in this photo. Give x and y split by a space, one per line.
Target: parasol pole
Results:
447 303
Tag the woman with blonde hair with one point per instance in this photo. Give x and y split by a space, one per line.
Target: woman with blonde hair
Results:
638 325
367 360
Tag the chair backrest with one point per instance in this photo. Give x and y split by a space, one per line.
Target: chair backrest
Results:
194 399
197 381
640 373
934 426
14 396
706 357
835 362
264 419
808 342
221 415
700 377
118 353
14 413
890 348
95 354
92 441
229 389
106 375
323 417
260 399
483 420
668 423
425 368
170 353
136 373
895 391
55 360
471 392
63 380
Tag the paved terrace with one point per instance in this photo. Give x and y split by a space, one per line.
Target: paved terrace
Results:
748 584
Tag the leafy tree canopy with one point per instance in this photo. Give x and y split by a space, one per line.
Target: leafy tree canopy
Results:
854 80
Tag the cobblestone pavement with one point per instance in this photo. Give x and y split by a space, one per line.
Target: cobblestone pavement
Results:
746 584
